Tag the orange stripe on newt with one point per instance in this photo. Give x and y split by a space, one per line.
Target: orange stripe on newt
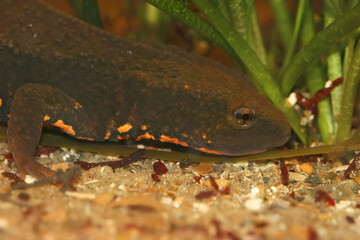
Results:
124 128
0 102
107 135
66 128
164 138
121 138
209 151
84 138
145 136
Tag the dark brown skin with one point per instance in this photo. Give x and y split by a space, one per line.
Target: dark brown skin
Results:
97 86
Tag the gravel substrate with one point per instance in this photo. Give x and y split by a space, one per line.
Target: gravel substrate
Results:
248 201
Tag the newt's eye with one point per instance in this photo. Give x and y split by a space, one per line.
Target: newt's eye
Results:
245 117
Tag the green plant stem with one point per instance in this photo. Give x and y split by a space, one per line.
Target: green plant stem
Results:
334 68
177 10
155 24
315 78
334 7
349 52
255 37
244 20
321 42
348 56
295 34
223 8
283 22
77 7
238 11
350 85
91 13
252 63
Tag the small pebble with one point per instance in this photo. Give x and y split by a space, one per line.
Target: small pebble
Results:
29 179
104 198
314 180
203 168
296 176
222 183
307 168
24 196
254 204
329 176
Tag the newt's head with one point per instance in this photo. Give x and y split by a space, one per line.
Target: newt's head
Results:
240 120
248 123
195 102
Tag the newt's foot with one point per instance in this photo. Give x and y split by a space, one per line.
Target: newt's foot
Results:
30 166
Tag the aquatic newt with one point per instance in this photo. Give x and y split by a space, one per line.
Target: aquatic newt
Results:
93 85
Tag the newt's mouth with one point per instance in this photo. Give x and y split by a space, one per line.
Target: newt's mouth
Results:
239 150
235 152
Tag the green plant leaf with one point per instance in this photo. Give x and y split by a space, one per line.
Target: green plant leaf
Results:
283 22
315 77
222 6
350 84
244 20
237 9
77 7
295 35
177 10
320 43
255 37
334 66
91 13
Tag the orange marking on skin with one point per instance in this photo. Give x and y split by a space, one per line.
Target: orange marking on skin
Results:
124 128
46 117
143 127
145 136
9 115
209 151
77 105
0 102
66 128
164 138
122 138
186 86
107 135
204 136
88 139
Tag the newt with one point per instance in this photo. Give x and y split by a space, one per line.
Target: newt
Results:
93 85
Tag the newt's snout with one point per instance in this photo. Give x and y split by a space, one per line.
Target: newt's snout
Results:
265 132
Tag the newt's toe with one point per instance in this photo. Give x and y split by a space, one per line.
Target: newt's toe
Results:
38 171
30 166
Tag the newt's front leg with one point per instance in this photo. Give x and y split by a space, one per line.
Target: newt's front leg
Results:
32 104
